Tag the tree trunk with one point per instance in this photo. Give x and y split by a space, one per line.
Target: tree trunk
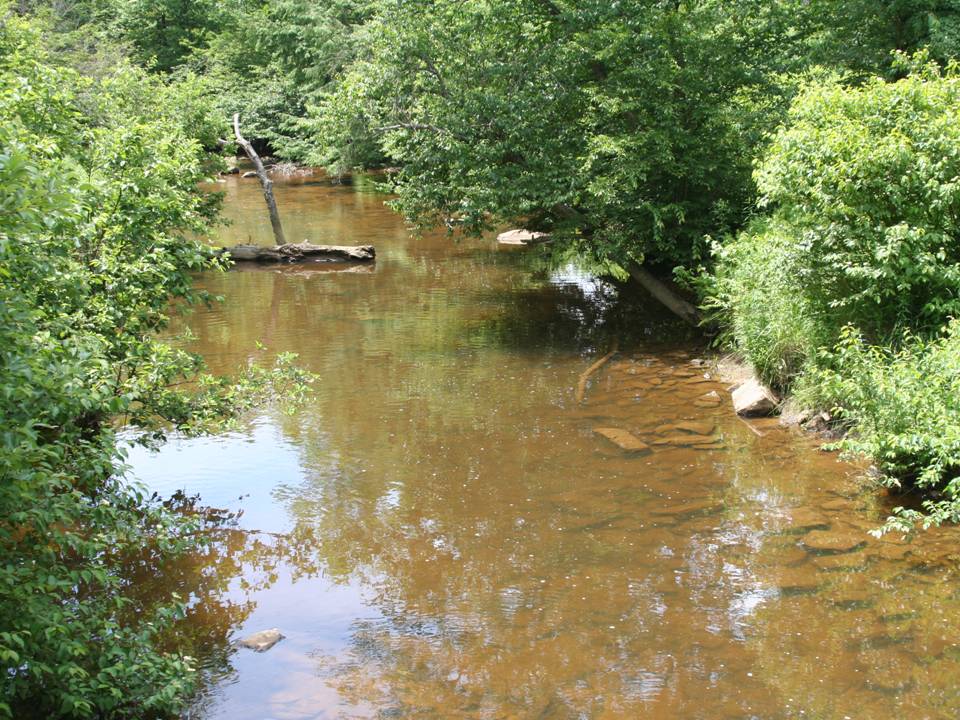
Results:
664 294
265 182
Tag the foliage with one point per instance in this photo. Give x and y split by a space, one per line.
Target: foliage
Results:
624 129
98 190
866 178
858 35
861 186
839 293
164 32
756 296
270 60
904 406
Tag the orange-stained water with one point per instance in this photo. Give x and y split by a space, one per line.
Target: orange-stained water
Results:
440 532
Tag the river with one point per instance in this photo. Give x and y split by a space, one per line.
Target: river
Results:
440 532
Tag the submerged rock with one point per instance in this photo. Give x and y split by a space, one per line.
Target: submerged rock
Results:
807 519
798 581
697 428
844 562
690 508
710 400
751 399
685 440
840 504
623 439
261 641
687 426
834 541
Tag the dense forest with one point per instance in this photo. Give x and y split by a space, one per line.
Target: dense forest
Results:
794 165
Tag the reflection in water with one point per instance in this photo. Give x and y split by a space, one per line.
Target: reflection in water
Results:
443 534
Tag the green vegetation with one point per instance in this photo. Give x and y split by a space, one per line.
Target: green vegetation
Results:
98 188
776 153
842 292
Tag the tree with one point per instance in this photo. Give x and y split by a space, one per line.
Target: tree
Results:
98 190
624 129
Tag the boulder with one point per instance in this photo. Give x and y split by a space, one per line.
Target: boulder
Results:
752 399
623 439
261 641
521 237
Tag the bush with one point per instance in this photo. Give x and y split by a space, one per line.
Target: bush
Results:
904 408
842 292
865 180
98 200
757 298
864 201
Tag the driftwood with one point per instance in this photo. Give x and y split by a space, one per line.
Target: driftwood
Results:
265 182
665 295
585 377
301 252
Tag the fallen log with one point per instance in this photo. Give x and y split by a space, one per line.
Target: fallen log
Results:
302 252
662 292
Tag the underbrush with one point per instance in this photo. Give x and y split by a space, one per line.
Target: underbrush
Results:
839 296
756 296
904 410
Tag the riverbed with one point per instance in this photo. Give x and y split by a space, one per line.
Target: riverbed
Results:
441 532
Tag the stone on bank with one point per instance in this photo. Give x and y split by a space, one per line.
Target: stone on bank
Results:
753 399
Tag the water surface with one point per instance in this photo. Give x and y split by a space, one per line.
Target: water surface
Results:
441 532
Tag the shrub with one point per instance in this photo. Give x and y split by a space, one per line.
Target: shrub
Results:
842 292
867 179
757 298
904 407
98 202
863 190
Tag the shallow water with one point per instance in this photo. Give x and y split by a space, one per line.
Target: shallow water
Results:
441 533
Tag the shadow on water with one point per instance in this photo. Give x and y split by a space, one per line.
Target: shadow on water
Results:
445 534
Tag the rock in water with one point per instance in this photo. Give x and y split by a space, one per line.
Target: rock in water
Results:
834 541
690 508
249 174
752 399
261 641
697 428
623 439
807 519
710 400
521 237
